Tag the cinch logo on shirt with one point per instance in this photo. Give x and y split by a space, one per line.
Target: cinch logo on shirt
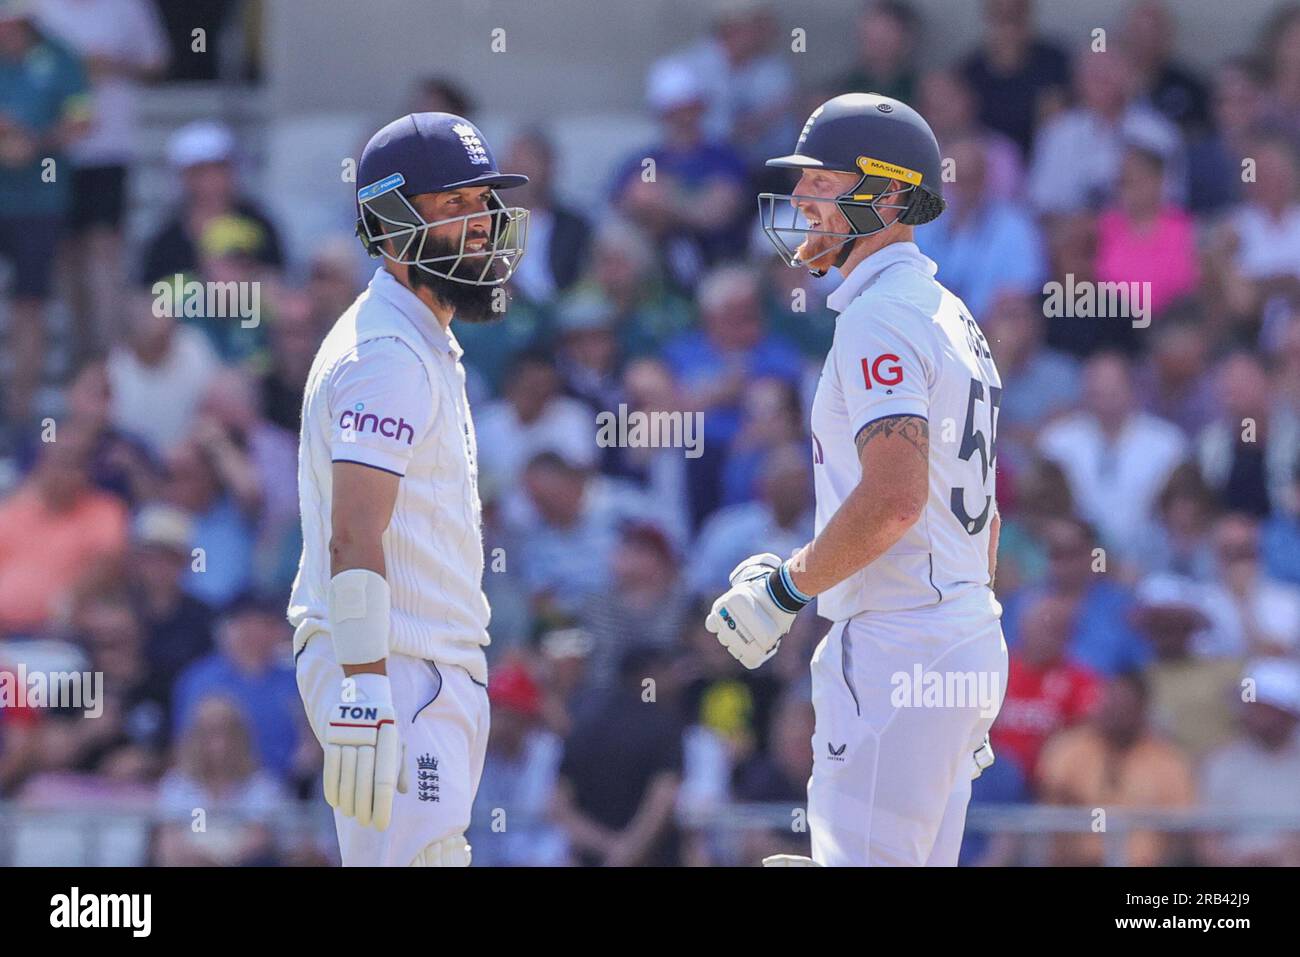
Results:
356 420
883 374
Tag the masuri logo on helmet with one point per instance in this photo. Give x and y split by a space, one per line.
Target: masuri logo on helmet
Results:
881 138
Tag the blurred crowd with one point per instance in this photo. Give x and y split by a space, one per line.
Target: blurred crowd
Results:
1148 471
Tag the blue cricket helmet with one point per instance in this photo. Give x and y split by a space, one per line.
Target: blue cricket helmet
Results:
433 153
881 140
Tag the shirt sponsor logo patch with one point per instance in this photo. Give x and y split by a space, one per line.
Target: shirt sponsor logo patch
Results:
357 419
882 374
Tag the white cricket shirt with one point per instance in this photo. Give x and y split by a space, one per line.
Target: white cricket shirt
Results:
905 345
387 389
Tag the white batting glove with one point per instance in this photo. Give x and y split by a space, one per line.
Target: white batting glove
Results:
752 617
364 756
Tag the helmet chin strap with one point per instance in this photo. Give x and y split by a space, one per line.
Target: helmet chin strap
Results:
845 251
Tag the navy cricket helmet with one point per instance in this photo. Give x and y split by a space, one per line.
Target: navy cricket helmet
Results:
880 139
433 153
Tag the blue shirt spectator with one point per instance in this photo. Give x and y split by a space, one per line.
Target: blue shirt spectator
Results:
251 668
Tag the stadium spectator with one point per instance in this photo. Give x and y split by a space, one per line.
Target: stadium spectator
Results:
624 271
45 111
178 627
794 308
1047 382
692 196
263 458
1079 153
1148 35
1116 761
558 237
620 773
731 349
567 537
771 417
158 375
1250 450
563 673
887 35
1180 543
125 741
209 477
1072 262
779 774
1214 171
120 463
670 485
587 354
950 105
643 606
1145 239
53 528
748 87
1280 52
984 245
511 826
440 94
1268 610
1266 225
1046 689
1101 637
1172 381
217 773
779 520
1041 493
294 338
251 667
1116 457
1019 78
532 417
1279 537
121 45
1258 771
1190 677
203 156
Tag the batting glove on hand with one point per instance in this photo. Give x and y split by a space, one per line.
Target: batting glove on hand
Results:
364 756
752 617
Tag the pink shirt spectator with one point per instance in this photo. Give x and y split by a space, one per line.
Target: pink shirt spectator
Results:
1163 253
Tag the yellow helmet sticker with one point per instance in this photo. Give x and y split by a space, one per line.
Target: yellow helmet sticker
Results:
875 167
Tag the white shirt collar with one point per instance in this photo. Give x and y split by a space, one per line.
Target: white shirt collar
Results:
384 285
867 271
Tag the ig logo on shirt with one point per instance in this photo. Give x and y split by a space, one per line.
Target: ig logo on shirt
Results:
882 374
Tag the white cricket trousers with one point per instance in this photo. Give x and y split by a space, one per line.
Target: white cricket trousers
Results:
442 716
893 756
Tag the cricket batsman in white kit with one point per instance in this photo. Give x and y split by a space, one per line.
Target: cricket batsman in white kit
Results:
388 609
913 670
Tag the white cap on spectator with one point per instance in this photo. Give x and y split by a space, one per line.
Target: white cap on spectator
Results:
165 526
201 142
1277 683
567 643
673 84
1170 591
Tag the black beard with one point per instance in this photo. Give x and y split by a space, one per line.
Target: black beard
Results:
469 303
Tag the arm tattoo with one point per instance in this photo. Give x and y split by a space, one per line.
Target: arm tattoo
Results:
914 428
